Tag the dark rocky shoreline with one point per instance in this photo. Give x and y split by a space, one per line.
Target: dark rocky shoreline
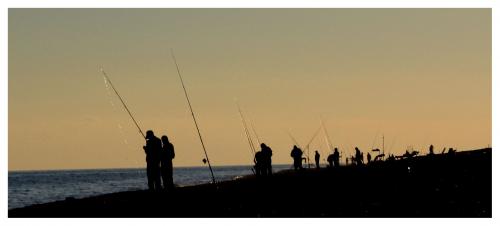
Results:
447 185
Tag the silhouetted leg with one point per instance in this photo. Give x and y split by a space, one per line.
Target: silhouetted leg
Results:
157 178
164 177
149 173
170 177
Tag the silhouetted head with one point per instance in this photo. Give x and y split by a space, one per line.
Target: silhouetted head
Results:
164 139
336 149
262 145
149 134
316 152
294 146
357 149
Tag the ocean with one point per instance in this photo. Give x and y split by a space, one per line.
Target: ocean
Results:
35 187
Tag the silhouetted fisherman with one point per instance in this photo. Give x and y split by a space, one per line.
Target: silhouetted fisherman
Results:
451 151
408 155
166 156
336 157
391 158
297 157
153 149
431 150
368 158
259 163
359 157
267 153
329 159
316 159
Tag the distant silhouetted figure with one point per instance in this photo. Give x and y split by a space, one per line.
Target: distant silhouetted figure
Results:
166 156
368 158
431 150
375 159
359 157
316 159
346 161
259 163
410 155
336 157
451 151
153 149
391 158
267 153
378 157
329 159
297 157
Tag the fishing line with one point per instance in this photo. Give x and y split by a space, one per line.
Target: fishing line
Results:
107 80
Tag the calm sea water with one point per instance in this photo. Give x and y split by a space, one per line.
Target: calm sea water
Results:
34 187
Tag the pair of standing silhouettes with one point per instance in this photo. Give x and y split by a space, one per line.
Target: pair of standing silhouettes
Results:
159 155
263 163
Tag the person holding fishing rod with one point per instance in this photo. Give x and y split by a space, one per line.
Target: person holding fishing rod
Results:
153 144
297 157
334 159
153 149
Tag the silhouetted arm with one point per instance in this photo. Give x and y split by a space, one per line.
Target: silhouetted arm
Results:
173 152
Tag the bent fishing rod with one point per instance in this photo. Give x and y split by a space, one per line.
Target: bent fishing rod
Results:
293 139
253 152
247 133
329 142
192 114
253 129
246 127
107 80
307 146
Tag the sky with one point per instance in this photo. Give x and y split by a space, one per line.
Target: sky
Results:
412 76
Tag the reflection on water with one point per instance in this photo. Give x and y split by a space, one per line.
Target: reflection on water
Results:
33 187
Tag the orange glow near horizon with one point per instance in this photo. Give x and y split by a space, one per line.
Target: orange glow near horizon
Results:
415 76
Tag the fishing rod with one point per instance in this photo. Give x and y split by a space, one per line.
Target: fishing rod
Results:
107 80
374 139
314 136
253 129
392 144
251 124
296 143
383 146
245 128
192 114
293 139
307 146
250 142
327 137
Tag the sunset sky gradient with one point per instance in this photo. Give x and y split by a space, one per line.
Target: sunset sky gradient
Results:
416 76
